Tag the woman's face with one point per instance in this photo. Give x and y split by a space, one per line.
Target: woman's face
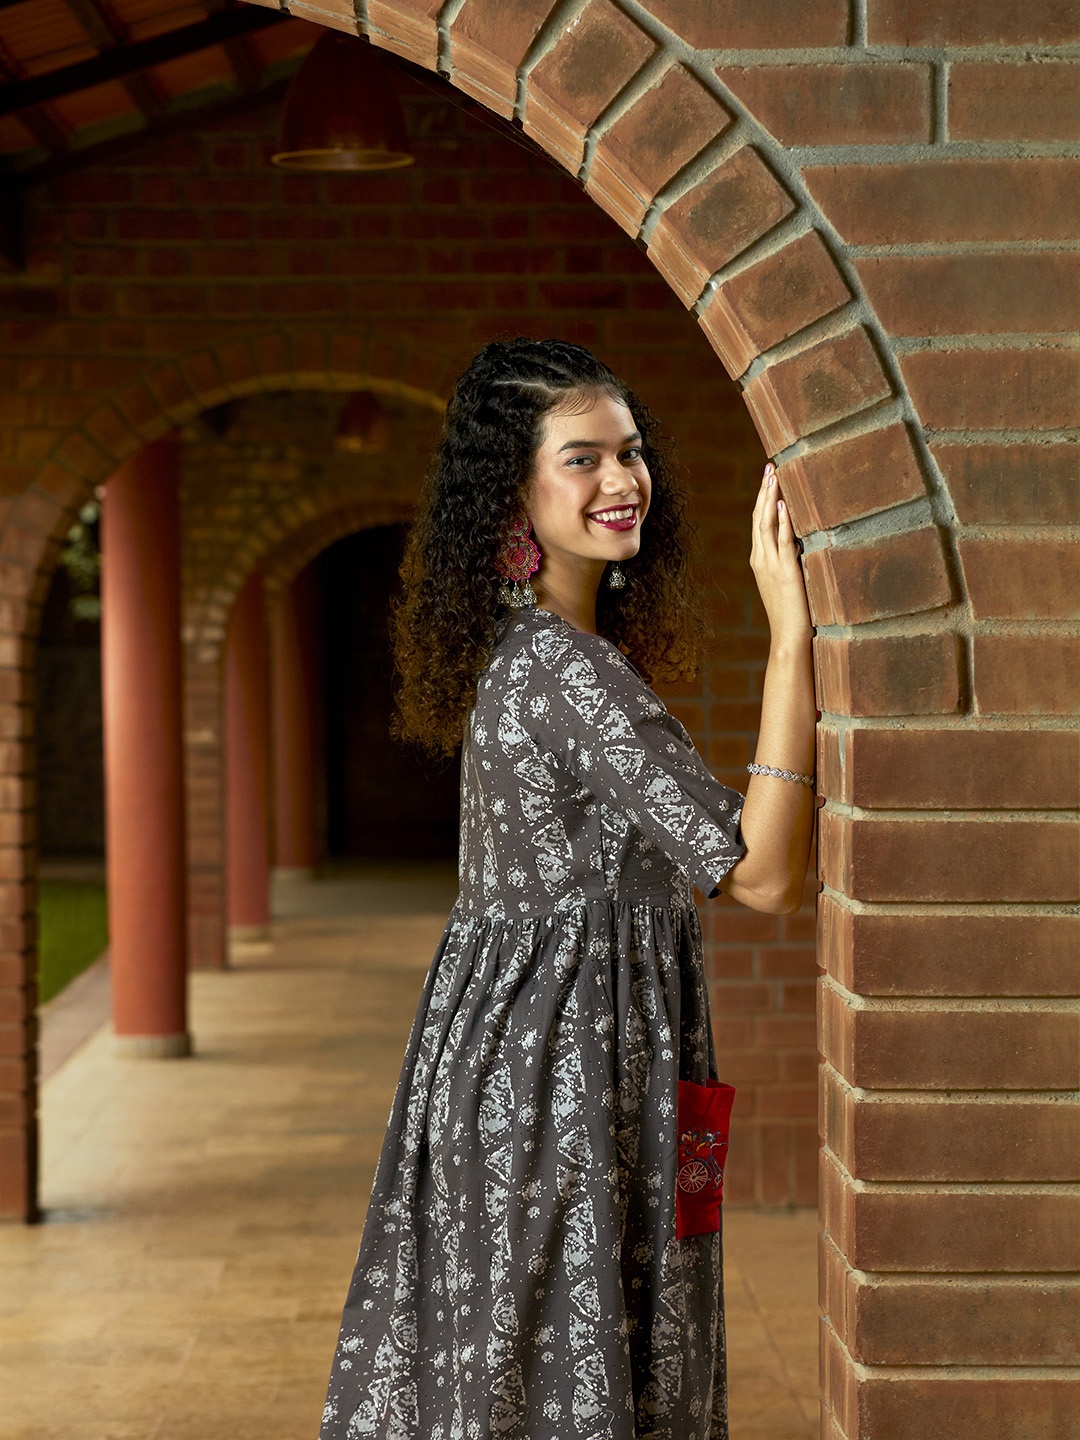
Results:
590 486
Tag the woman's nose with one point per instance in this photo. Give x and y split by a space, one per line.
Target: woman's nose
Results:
617 481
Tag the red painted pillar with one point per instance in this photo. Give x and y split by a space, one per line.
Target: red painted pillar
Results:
144 781
294 671
247 763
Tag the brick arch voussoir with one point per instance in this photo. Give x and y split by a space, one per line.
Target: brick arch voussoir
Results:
294 539
297 551
119 425
725 216
206 618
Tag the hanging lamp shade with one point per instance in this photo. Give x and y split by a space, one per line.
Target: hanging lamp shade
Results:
341 112
363 428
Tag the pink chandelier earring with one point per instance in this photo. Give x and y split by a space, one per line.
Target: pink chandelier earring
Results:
517 560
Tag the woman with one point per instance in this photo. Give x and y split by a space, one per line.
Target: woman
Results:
520 1272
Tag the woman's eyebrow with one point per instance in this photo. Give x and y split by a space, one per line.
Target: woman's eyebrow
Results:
596 444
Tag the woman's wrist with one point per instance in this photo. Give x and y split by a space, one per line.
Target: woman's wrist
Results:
792 647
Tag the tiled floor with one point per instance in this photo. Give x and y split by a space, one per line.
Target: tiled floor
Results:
203 1214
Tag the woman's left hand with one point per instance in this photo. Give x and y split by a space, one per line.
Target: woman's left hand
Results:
774 559
778 816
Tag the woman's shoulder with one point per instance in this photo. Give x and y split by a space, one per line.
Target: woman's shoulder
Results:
547 653
559 646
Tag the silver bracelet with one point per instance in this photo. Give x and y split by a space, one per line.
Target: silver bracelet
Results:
756 769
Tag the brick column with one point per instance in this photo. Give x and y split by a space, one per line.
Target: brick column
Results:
144 784
204 747
948 1226
294 672
247 763
18 928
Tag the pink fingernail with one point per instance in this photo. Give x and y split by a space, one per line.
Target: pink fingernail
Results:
780 506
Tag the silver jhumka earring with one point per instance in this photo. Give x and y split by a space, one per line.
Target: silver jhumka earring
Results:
615 577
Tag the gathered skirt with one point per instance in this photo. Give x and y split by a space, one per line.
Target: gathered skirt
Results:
519 1274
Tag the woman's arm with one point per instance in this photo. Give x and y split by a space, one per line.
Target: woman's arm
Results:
778 816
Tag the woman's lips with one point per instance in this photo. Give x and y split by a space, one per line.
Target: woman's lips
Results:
625 524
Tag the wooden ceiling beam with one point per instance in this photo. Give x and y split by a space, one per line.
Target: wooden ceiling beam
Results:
177 122
128 60
100 22
242 57
45 128
148 95
245 64
108 32
12 229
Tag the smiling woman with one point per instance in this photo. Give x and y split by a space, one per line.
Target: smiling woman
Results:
542 1250
587 499
495 448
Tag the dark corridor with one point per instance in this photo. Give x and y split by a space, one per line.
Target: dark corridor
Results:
385 800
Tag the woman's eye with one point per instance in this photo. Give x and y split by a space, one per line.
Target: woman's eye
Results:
633 454
580 460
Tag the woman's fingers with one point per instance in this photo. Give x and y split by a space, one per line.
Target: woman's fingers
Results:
774 547
765 512
760 500
774 556
785 534
755 522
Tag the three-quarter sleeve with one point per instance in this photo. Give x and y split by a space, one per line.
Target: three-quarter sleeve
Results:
599 718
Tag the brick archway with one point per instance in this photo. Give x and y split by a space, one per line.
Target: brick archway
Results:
663 144
110 431
639 104
132 415
206 612
301 547
289 528
298 534
845 290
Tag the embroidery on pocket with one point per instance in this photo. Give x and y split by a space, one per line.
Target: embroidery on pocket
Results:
704 1123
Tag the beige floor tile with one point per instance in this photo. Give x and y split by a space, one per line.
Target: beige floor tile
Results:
81 1427
202 1216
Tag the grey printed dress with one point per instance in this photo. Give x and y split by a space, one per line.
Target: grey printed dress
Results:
519 1274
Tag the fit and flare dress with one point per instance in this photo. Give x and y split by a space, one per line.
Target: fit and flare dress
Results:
519 1274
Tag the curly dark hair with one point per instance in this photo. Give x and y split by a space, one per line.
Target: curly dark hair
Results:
445 621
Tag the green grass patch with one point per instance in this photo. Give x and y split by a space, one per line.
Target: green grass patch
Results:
72 931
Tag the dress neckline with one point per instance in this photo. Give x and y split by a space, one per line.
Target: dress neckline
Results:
592 635
542 610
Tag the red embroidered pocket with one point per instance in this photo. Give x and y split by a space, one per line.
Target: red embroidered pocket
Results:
704 1121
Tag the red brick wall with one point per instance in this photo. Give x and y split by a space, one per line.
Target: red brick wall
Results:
168 273
865 207
269 493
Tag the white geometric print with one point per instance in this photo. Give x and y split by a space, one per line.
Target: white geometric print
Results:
518 1274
